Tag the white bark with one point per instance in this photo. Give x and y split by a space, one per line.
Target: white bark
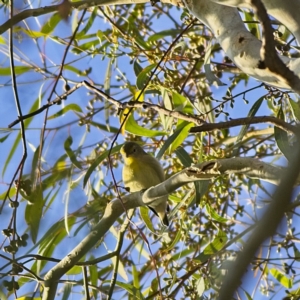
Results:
286 12
238 43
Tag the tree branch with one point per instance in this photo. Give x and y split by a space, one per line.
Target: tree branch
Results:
35 12
205 171
246 121
239 44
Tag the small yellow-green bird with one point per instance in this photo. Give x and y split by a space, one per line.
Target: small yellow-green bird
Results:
141 171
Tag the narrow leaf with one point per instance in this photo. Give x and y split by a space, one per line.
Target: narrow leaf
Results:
252 112
70 153
132 127
280 277
144 75
69 107
51 23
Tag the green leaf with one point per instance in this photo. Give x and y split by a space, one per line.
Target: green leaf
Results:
175 240
280 277
34 107
252 112
74 270
175 139
281 138
69 107
30 33
132 127
88 25
89 46
182 104
67 145
213 214
184 129
18 70
295 107
144 76
67 289
215 246
163 34
93 277
77 71
107 91
34 211
50 241
248 296
201 188
131 290
97 162
200 286
135 275
137 68
184 157
4 138
145 216
252 24
51 23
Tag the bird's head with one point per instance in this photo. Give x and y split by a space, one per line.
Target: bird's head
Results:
132 149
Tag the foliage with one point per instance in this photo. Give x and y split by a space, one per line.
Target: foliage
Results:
51 198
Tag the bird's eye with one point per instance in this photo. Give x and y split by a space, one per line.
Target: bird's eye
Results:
134 149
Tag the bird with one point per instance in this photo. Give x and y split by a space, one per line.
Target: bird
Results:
142 171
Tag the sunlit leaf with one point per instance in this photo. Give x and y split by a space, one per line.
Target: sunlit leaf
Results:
144 76
215 215
282 278
51 23
133 127
146 219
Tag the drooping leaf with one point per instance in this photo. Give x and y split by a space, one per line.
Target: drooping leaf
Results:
69 107
281 138
88 24
34 211
15 145
295 109
133 127
70 153
146 219
252 112
144 76
51 23
175 139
